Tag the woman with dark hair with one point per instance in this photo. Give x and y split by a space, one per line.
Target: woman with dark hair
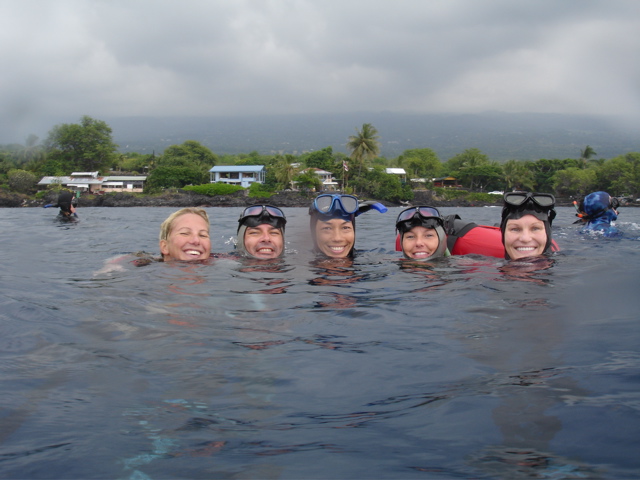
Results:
332 220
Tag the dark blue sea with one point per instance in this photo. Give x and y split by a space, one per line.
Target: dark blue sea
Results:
462 368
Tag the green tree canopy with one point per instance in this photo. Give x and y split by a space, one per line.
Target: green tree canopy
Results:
190 152
322 159
624 174
22 181
86 146
420 163
574 181
170 176
518 175
377 184
470 167
308 180
284 171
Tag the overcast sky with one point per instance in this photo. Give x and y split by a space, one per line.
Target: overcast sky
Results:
62 59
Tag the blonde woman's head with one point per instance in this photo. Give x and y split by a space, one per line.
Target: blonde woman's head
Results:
184 235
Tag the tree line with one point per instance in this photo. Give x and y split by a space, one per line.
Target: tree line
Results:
89 146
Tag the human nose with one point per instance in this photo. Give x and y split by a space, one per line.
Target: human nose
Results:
525 235
194 239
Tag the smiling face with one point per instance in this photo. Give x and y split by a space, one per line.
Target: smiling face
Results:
524 237
420 242
187 240
263 241
335 238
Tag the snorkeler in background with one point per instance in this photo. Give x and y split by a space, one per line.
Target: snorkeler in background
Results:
421 233
598 210
526 224
261 232
67 205
333 223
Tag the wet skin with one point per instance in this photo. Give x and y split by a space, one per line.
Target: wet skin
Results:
188 240
420 242
524 237
335 238
264 241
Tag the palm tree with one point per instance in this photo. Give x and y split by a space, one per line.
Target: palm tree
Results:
364 145
586 154
517 175
284 171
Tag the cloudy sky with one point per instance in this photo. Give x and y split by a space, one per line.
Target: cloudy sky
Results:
62 59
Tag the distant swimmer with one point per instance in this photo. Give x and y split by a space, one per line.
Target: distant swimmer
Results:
67 205
598 210
261 232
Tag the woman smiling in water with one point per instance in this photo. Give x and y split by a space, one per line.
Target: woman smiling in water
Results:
184 235
333 223
422 234
526 224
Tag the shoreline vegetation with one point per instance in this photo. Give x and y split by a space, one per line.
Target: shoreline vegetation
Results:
183 198
182 175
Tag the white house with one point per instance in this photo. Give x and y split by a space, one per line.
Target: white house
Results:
397 171
328 182
133 183
90 182
243 175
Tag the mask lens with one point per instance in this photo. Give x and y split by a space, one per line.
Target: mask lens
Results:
544 200
349 203
424 212
516 199
274 211
258 210
327 203
324 203
252 211
406 214
429 212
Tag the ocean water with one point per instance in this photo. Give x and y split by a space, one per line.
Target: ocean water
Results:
467 367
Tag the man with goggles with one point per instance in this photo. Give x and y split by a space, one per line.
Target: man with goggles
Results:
598 210
261 232
421 233
526 224
333 223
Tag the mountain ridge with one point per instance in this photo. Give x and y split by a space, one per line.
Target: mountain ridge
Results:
502 136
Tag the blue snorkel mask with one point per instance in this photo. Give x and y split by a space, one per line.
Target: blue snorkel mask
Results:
342 206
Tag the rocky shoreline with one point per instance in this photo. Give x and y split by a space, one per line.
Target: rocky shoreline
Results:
183 198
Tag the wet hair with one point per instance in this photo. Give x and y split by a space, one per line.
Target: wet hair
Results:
65 200
167 225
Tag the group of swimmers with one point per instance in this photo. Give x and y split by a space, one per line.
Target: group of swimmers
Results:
422 232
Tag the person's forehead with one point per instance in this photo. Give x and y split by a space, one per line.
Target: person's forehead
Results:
525 219
189 219
420 228
263 226
335 221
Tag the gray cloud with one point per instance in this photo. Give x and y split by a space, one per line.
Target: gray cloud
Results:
69 58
